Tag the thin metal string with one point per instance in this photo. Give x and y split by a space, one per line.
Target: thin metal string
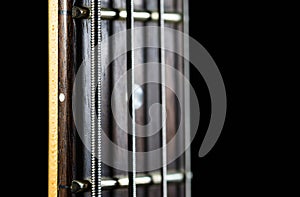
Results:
163 97
130 84
187 155
93 110
96 151
99 75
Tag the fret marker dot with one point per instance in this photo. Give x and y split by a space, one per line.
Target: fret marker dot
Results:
61 97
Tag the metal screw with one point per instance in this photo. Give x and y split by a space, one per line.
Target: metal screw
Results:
80 186
80 12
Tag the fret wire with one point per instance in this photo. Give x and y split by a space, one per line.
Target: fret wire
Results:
163 97
99 75
187 154
130 86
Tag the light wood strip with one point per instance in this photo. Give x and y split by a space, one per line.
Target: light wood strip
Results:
53 91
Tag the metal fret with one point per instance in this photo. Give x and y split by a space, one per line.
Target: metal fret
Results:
115 14
109 183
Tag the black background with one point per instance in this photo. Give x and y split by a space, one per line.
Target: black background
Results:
246 160
223 169
242 162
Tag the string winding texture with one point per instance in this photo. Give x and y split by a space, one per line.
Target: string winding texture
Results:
99 76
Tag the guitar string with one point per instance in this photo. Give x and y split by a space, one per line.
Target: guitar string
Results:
186 98
93 114
99 75
93 111
163 97
130 66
